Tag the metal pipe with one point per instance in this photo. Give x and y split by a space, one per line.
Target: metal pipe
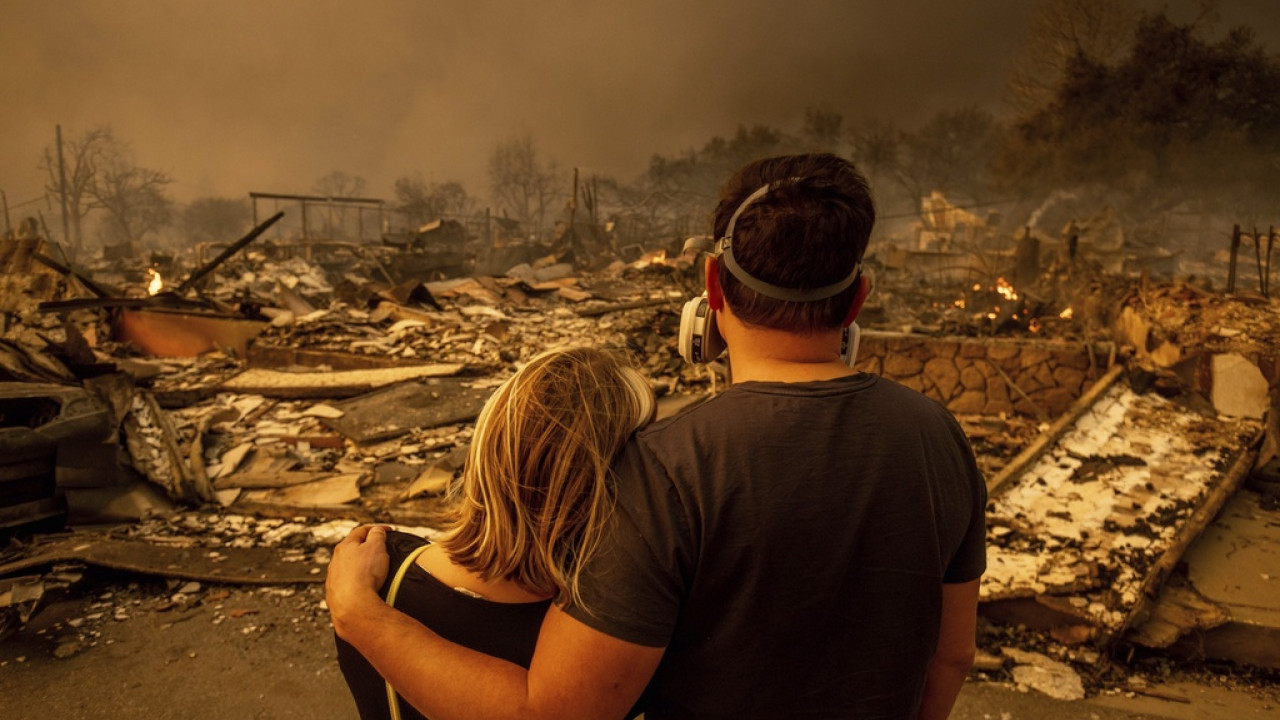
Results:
231 250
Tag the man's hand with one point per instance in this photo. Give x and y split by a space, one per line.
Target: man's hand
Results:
576 672
357 571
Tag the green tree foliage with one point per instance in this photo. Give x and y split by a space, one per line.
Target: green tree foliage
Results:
1179 118
216 219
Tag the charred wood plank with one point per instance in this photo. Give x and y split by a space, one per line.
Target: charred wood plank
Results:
1032 452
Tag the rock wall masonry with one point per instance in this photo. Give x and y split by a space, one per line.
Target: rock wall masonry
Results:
985 376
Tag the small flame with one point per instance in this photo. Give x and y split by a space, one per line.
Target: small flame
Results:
977 287
992 316
1033 325
1067 314
959 303
156 283
1005 289
657 257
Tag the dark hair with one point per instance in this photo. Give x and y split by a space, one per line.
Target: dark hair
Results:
808 231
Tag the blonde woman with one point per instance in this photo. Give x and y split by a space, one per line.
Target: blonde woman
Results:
528 512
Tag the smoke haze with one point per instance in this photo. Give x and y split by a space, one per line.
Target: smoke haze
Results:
245 95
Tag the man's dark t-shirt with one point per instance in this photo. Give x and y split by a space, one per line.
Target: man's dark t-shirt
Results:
787 543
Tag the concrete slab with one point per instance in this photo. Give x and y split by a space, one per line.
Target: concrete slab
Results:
1088 531
1239 387
1235 563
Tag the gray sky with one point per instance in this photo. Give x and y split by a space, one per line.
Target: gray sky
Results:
267 95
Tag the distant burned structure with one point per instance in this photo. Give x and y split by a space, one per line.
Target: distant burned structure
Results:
327 218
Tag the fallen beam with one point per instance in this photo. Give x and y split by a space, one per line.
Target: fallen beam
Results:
347 383
1031 453
253 566
232 249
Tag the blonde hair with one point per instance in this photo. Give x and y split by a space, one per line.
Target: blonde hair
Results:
534 493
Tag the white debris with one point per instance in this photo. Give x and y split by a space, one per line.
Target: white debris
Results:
322 410
1239 387
1044 674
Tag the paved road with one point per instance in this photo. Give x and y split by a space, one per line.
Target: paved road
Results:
268 653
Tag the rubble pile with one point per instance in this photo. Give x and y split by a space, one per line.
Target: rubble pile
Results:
337 398
1082 530
262 278
1167 324
490 323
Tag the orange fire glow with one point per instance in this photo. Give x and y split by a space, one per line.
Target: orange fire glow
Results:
1005 289
657 257
1066 314
156 283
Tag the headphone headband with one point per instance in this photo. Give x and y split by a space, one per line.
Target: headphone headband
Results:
724 248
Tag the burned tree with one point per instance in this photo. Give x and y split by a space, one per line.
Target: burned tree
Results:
422 202
81 158
338 186
521 183
132 196
1062 30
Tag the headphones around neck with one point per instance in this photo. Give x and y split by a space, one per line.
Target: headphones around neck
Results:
700 341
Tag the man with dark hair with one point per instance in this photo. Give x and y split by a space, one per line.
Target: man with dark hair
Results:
806 544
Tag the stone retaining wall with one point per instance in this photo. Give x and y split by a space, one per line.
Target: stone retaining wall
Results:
986 376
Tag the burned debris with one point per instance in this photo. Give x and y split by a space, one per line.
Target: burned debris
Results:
231 414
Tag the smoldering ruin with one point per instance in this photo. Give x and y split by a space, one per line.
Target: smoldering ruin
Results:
217 399
212 404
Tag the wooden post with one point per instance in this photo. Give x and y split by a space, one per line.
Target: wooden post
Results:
62 192
573 215
1257 253
1235 250
1271 241
4 200
595 200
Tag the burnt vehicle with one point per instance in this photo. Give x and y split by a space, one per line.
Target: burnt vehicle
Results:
58 454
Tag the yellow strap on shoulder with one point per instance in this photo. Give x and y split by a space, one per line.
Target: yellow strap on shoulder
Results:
393 700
